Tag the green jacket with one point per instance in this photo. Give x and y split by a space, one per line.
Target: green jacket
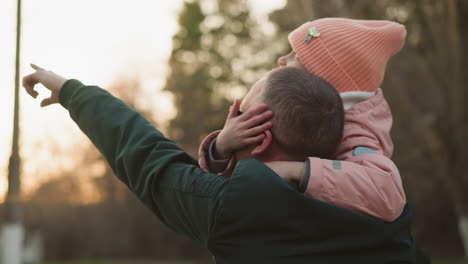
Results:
253 217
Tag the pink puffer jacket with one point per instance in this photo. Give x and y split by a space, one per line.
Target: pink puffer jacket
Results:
363 178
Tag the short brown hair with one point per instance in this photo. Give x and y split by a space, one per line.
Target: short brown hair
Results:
308 115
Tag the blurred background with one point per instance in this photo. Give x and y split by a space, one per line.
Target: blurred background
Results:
181 64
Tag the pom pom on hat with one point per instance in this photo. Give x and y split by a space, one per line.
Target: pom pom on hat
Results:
349 54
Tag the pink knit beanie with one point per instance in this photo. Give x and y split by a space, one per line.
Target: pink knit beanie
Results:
350 54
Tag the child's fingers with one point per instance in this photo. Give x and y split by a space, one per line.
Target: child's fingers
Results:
254 140
234 108
258 129
254 112
258 119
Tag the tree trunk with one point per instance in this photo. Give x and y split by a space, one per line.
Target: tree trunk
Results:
456 116
463 227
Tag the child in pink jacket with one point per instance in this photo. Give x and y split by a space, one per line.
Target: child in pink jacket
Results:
351 55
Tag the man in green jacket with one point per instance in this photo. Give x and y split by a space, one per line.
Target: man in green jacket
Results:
252 217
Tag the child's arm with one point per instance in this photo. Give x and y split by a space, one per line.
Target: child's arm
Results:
368 183
240 130
368 178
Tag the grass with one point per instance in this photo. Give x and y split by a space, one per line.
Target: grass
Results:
437 261
449 261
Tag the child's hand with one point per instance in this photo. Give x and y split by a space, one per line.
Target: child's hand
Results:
49 79
243 130
288 170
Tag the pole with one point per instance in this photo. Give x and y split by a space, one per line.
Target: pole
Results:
13 203
11 245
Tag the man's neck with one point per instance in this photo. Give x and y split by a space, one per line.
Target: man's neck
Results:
274 153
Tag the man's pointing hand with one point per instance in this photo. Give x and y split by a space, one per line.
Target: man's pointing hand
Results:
49 79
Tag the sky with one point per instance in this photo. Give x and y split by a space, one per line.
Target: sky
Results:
97 42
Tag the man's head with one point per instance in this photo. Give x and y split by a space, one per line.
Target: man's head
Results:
307 120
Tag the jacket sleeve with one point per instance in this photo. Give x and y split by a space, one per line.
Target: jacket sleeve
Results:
363 178
368 183
163 176
368 124
208 162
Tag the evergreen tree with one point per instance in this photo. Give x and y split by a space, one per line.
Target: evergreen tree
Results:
215 58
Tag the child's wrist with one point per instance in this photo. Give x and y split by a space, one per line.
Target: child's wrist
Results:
298 172
221 153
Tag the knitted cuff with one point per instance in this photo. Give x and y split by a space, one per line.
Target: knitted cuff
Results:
305 178
216 165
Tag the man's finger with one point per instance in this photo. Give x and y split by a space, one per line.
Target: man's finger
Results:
34 66
29 82
47 101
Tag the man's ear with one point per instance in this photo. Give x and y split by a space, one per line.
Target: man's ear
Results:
264 144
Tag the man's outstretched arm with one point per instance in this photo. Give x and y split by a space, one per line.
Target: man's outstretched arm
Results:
163 176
